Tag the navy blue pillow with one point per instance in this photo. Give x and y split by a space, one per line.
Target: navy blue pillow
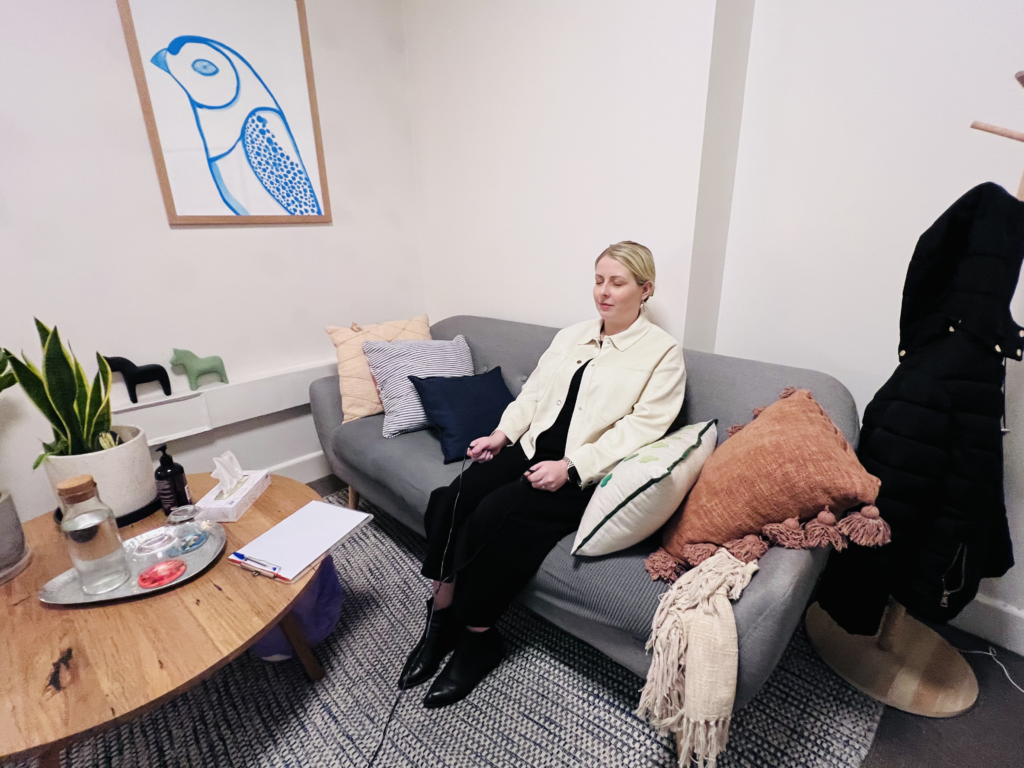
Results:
462 408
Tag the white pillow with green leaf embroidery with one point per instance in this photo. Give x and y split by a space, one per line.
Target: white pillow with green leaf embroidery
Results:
643 490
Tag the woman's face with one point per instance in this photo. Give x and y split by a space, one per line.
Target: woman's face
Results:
616 294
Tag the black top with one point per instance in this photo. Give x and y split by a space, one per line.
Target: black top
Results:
551 442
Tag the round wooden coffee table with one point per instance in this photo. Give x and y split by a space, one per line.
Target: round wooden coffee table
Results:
67 673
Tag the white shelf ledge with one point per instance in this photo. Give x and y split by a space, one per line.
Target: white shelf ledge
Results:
181 414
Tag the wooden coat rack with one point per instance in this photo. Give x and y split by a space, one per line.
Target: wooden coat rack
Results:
907 665
1009 133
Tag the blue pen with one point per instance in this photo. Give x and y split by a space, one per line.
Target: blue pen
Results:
261 564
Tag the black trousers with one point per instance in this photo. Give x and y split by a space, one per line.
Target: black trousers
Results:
497 533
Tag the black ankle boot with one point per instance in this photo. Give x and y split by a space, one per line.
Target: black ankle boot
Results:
476 654
439 637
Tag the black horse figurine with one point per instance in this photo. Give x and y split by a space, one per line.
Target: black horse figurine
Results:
138 374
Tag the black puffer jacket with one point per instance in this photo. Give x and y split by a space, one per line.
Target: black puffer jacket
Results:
933 433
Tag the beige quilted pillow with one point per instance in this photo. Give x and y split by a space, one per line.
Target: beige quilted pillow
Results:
358 392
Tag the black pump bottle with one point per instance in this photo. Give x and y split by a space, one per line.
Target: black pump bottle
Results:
171 486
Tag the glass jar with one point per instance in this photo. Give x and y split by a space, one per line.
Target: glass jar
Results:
188 531
90 531
182 515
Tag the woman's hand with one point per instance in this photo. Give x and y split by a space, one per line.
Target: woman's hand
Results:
486 448
548 475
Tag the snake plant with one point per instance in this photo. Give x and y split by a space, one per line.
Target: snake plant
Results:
78 413
6 375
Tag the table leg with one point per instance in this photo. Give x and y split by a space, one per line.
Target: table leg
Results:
50 758
293 632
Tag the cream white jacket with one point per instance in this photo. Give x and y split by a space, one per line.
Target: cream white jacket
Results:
628 397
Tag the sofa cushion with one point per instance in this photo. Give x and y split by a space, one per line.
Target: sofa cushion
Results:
358 392
643 490
394 364
462 408
791 461
615 591
727 388
516 347
411 465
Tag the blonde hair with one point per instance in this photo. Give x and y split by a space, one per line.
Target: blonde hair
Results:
637 258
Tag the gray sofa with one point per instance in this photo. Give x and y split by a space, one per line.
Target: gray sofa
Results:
608 602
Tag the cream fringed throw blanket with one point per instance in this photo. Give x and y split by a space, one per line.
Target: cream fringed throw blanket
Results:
691 685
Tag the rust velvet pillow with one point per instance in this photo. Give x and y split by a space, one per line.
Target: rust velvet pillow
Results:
790 461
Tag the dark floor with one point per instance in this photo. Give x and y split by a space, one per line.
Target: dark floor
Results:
325 486
990 735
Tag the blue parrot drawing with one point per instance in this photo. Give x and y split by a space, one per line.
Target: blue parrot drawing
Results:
250 149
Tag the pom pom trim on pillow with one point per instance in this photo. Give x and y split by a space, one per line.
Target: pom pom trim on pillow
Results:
790 461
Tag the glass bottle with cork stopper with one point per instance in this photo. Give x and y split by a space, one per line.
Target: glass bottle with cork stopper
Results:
90 531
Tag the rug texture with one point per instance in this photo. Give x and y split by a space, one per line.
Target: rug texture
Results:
554 701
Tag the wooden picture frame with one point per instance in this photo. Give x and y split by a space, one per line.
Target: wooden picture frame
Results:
173 216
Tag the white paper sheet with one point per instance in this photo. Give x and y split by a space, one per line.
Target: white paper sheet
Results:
300 540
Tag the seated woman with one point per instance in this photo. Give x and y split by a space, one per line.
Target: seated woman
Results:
603 389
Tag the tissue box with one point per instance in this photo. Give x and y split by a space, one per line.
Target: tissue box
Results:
233 507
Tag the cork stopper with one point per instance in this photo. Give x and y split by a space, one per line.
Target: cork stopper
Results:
76 489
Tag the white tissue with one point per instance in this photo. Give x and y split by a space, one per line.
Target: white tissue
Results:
228 472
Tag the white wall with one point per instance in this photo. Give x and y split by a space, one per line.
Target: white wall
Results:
727 77
855 137
85 244
546 131
500 146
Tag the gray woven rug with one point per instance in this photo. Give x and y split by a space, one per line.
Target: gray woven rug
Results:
554 701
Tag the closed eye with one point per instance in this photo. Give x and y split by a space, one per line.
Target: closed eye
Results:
205 67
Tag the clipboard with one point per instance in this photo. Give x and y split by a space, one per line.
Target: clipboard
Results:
293 547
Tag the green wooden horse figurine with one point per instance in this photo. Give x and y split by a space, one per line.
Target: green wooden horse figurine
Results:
196 366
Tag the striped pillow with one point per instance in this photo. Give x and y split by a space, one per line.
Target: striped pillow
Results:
392 363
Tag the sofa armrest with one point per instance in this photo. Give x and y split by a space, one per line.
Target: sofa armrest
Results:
325 400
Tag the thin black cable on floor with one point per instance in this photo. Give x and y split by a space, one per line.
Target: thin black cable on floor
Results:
430 616
384 733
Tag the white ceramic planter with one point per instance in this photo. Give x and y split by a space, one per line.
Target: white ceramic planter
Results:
13 557
124 475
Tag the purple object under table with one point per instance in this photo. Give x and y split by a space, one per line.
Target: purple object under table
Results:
317 611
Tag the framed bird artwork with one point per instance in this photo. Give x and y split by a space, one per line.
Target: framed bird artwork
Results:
230 107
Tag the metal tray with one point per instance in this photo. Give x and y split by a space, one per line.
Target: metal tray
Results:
66 589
